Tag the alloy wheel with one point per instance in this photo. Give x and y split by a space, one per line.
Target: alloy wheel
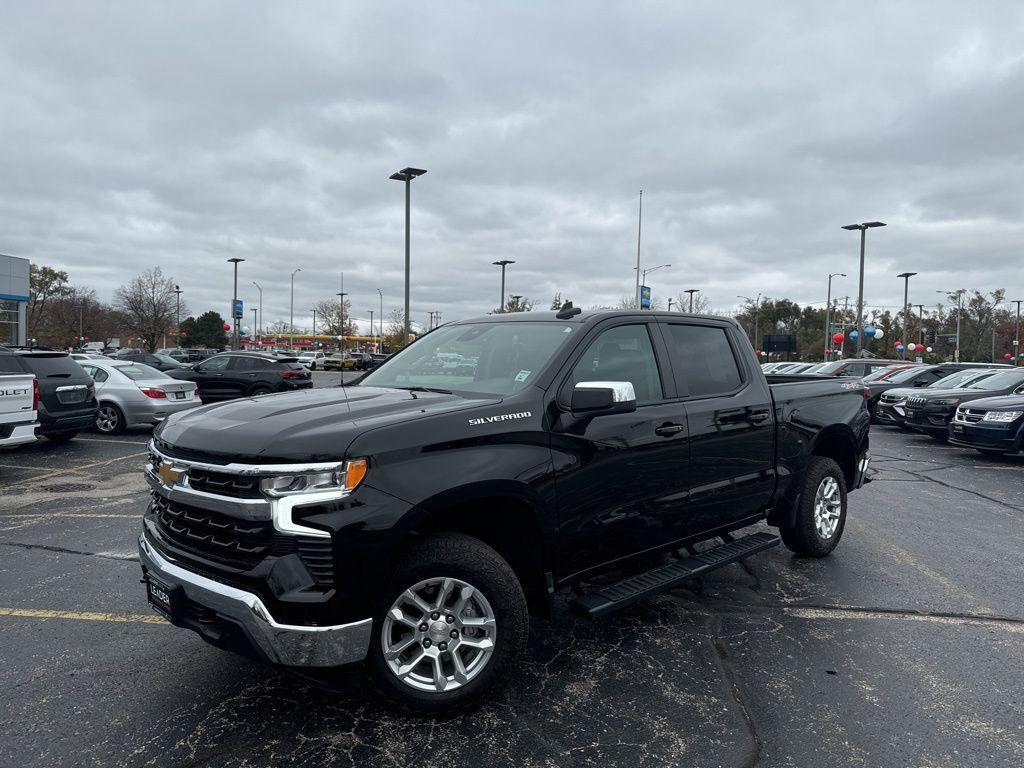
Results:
438 635
828 504
107 418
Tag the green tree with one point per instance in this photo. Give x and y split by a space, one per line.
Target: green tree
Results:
45 285
206 331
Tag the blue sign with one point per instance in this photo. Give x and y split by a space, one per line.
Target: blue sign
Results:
645 297
238 309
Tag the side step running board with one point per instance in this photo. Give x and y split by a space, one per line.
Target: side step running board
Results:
604 600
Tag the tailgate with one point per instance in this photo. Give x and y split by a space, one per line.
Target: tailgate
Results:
16 398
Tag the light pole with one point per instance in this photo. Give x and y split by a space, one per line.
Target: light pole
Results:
260 323
691 291
380 321
503 263
920 323
255 332
1016 335
757 309
860 290
314 327
234 298
639 224
669 303
406 175
177 313
828 315
959 294
371 331
515 299
906 307
291 313
341 303
645 273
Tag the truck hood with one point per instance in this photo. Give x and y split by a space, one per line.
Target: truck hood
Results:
1001 403
302 426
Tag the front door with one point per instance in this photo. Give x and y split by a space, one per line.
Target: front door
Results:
621 478
731 425
209 378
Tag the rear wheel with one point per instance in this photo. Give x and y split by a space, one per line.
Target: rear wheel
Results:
261 390
109 419
452 624
821 512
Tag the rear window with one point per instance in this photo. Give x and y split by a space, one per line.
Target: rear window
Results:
10 364
58 366
704 356
139 372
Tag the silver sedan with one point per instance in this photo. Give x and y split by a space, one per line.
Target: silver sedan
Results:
131 393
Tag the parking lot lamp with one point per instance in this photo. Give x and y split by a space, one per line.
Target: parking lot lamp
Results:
828 315
406 175
1016 335
380 319
906 307
260 323
374 338
503 263
860 290
958 295
691 291
291 313
646 272
341 303
177 314
234 299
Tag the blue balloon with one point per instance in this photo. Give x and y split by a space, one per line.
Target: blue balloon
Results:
869 331
900 348
853 335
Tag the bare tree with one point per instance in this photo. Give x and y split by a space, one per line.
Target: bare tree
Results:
79 313
701 304
328 318
148 306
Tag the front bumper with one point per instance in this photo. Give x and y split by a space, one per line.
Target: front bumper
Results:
998 437
930 419
285 644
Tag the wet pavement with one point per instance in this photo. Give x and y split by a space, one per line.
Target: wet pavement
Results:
904 648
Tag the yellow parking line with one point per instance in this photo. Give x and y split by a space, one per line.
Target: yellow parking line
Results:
79 468
32 613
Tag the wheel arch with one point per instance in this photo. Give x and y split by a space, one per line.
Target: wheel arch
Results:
836 442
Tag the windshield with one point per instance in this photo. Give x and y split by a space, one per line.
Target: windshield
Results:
960 378
139 372
894 378
831 367
166 359
485 358
1003 380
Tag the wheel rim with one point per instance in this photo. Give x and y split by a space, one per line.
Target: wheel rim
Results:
438 635
106 419
828 503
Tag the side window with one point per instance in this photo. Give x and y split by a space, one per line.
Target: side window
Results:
704 357
99 375
623 353
215 364
246 364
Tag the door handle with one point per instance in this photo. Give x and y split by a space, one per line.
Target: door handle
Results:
668 429
759 417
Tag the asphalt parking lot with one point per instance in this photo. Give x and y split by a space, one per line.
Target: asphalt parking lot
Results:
905 648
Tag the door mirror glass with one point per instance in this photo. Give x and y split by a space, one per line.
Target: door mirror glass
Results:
596 397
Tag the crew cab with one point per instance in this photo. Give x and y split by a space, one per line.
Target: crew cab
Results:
415 520
931 411
19 400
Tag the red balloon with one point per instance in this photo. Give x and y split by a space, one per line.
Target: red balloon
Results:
757 352
1007 356
227 327
838 338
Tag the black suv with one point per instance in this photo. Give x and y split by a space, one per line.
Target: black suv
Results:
915 377
244 374
931 411
67 395
161 362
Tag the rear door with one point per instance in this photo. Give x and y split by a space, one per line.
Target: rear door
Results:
730 422
621 478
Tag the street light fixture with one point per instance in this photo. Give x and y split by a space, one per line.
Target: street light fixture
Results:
643 282
503 263
860 291
177 314
691 291
259 325
234 299
291 313
906 307
406 175
828 315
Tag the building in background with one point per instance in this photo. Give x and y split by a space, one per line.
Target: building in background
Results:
13 299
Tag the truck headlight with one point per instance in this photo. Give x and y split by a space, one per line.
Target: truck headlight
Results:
1002 416
346 478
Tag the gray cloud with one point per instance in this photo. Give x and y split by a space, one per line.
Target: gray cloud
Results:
136 135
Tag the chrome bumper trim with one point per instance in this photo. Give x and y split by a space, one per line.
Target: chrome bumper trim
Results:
862 471
286 644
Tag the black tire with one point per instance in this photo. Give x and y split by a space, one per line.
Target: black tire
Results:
61 437
464 558
110 415
804 538
261 390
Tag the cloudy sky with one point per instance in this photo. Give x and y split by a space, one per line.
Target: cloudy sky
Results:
181 135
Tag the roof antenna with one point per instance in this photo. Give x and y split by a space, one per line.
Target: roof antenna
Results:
567 311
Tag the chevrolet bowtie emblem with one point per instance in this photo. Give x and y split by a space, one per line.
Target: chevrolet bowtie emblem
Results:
169 474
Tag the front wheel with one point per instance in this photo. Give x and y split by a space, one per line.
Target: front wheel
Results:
821 512
451 627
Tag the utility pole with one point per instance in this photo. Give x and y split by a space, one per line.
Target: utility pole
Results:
177 313
639 225
341 302
371 331
828 316
406 175
906 307
314 327
255 328
260 323
691 291
291 313
920 323
234 300
1016 335
860 292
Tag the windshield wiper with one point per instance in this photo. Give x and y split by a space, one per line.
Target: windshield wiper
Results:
426 389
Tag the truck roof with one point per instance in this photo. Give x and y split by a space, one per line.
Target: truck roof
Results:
585 316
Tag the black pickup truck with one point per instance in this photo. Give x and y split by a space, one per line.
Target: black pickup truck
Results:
416 519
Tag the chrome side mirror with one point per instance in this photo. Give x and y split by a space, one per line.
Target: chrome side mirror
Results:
597 397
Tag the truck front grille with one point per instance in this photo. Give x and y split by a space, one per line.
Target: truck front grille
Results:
222 484
236 543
